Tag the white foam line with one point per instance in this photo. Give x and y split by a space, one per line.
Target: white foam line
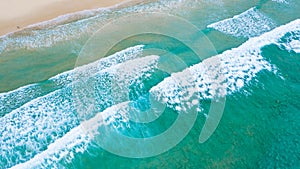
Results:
294 45
236 66
73 31
80 135
66 17
73 138
78 30
247 24
107 62
249 50
119 57
52 115
20 96
281 1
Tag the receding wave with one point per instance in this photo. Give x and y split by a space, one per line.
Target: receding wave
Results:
29 129
247 24
80 26
227 72
222 74
290 42
16 98
281 1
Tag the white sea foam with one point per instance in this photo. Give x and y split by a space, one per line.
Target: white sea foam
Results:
291 42
101 64
281 1
77 140
248 24
230 70
72 27
28 130
16 98
293 45
75 28
238 66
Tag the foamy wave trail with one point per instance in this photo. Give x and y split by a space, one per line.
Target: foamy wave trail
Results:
248 24
77 27
78 139
16 98
281 1
290 42
28 130
293 45
112 86
239 66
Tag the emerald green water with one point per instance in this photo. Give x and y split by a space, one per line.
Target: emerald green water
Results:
257 130
42 125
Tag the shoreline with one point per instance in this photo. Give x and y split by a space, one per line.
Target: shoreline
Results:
47 11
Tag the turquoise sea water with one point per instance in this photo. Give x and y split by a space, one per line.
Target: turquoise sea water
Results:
65 101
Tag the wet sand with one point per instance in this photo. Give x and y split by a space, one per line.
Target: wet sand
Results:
17 14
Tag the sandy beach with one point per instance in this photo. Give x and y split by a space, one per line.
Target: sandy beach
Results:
17 14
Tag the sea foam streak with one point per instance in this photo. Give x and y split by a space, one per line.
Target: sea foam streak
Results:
36 124
16 98
238 65
247 24
291 42
293 45
77 140
79 25
281 1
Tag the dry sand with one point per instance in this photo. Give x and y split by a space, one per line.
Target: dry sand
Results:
17 14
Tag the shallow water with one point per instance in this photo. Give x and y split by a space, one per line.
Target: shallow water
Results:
65 102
